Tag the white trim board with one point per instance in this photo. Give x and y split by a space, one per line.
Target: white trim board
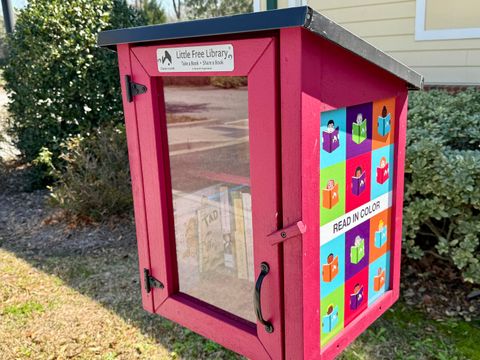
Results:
441 34
294 3
256 5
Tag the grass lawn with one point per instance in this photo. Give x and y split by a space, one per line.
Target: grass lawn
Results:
87 306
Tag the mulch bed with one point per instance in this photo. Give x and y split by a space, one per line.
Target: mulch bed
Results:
436 287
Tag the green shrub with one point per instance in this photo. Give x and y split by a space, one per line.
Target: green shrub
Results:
95 182
154 12
198 9
442 185
59 82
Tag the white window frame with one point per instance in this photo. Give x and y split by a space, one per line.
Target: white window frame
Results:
441 34
256 5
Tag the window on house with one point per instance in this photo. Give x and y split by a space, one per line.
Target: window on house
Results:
439 20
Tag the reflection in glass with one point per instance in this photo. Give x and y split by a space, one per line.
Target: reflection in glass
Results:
210 172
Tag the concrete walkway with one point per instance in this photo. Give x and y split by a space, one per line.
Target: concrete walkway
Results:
224 114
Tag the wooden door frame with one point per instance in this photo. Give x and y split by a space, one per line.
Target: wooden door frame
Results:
149 161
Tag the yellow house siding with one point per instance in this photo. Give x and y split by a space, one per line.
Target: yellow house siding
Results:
374 12
447 14
282 3
386 27
390 26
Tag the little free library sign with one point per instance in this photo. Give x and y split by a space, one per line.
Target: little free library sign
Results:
196 58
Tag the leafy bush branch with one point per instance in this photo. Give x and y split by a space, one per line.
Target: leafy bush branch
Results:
442 185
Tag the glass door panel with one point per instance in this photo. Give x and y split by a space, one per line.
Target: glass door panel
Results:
208 138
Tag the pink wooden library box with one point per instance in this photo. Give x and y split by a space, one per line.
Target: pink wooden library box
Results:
267 159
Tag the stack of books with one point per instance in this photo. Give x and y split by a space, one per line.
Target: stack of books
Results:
222 240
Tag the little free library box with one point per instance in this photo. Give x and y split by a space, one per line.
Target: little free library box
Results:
268 216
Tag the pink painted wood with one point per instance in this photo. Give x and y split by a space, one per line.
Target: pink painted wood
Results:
255 58
401 110
333 78
291 118
156 184
246 53
288 232
134 155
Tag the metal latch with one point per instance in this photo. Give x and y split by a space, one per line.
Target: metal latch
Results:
133 89
150 282
287 232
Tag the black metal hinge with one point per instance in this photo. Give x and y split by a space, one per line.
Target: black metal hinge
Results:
133 89
150 282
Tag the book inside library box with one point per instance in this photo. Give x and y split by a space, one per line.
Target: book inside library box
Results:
208 142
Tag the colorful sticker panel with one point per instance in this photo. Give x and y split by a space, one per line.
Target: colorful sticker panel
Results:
331 315
356 179
333 137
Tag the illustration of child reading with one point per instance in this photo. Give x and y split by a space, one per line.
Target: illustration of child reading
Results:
358 181
383 122
330 269
330 320
382 171
359 129
379 280
357 297
330 137
381 234
357 251
330 195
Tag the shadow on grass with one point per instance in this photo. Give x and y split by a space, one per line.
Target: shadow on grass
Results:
99 261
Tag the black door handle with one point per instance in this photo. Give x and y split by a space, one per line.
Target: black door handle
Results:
265 269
